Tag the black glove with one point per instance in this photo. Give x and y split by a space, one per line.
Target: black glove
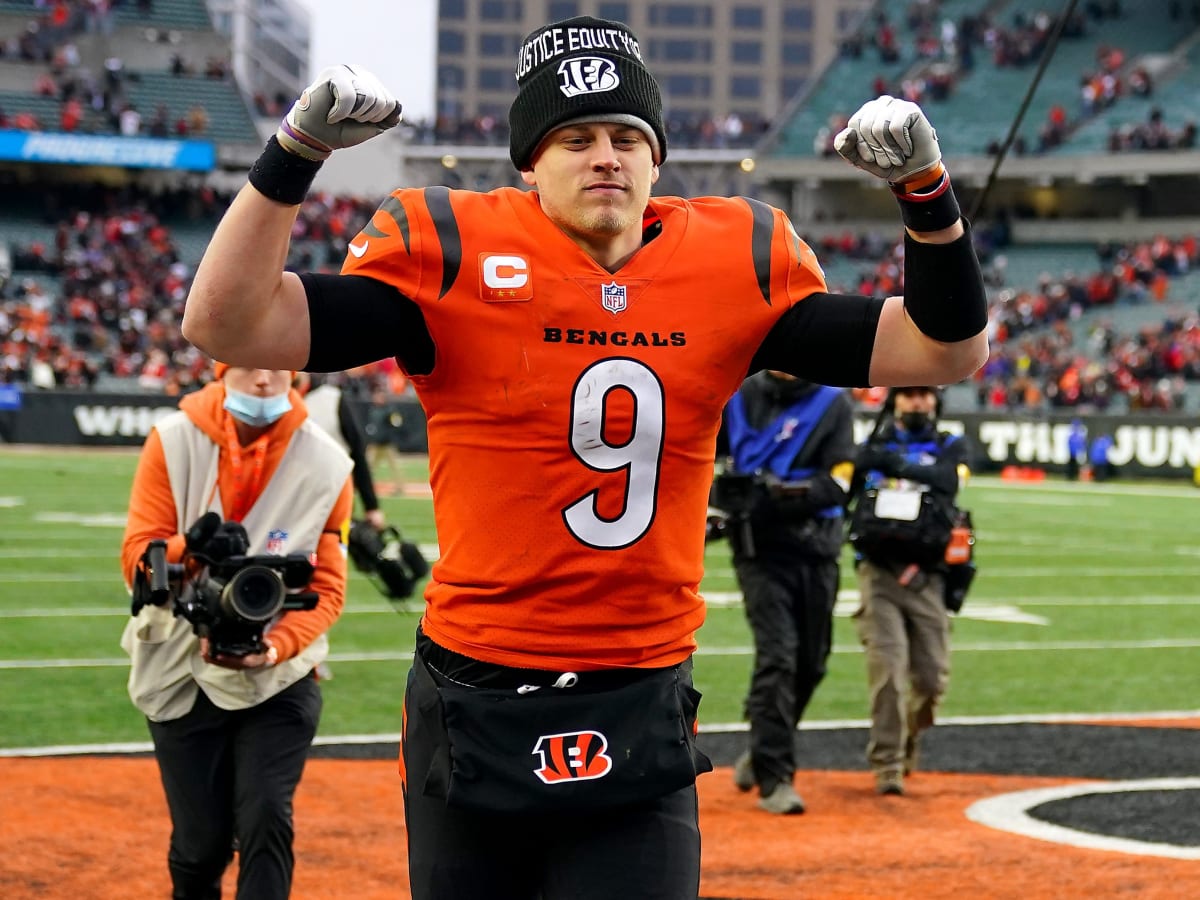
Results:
739 494
208 536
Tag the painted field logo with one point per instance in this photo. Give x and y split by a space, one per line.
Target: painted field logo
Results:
613 297
575 756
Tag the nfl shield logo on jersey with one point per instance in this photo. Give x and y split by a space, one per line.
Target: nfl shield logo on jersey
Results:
613 298
276 540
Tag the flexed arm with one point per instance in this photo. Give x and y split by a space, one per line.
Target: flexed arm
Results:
243 308
936 332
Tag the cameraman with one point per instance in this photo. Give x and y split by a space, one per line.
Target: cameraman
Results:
231 733
906 480
795 437
328 407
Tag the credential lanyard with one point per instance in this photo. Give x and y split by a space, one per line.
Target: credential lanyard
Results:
246 483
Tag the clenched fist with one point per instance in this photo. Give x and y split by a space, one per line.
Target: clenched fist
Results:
889 138
344 106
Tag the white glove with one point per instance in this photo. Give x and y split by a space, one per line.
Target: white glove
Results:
345 106
890 138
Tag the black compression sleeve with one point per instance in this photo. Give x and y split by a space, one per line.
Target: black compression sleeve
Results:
355 320
944 292
826 338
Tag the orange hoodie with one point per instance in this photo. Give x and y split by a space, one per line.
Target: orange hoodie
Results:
152 513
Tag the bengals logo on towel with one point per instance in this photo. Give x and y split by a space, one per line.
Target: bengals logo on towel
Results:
575 756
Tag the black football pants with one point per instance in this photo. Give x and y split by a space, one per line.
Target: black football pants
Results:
233 773
789 605
649 852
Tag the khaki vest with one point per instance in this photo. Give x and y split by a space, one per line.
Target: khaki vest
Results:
167 669
324 404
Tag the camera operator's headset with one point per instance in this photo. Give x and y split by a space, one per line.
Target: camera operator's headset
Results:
889 402
888 411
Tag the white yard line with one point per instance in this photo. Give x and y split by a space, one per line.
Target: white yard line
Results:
959 648
1184 491
711 728
847 599
82 612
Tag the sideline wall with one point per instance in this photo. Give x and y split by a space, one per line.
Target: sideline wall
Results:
1164 445
94 419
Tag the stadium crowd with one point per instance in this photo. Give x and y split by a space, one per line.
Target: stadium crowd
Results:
100 104
103 299
1152 134
942 51
95 102
100 303
1037 358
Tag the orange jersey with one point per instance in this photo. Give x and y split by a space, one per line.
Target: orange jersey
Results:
573 413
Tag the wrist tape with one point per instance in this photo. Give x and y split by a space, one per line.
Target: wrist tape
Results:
282 176
944 293
928 203
296 141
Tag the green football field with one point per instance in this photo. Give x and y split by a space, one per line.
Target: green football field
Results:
1086 603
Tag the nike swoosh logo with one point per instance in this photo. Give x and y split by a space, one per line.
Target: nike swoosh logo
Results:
359 251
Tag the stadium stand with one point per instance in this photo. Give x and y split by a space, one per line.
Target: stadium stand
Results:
92 278
1053 294
155 13
1077 58
1173 95
155 69
878 49
1002 42
228 118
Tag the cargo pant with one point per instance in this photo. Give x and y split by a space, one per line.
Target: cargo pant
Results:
906 634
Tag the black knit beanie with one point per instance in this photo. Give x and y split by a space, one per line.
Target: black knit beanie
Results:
587 70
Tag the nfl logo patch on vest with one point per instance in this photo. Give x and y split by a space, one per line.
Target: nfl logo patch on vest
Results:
613 298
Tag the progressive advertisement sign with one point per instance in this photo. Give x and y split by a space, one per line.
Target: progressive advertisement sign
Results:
107 150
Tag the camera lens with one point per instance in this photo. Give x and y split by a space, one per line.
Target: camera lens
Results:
254 593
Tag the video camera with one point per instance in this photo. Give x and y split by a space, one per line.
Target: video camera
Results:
392 564
227 596
737 495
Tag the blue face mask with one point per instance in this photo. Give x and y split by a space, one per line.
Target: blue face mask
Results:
254 410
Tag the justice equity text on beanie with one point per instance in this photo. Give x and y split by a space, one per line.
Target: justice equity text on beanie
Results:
582 69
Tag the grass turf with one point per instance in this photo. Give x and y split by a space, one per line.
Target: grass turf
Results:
1085 603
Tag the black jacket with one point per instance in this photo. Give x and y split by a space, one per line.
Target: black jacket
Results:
790 519
893 454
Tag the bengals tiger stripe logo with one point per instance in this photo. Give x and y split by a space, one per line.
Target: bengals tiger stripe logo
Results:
574 756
